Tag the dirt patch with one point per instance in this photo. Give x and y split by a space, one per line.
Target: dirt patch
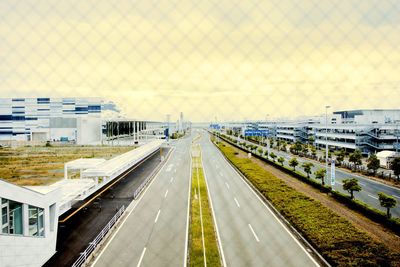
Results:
375 230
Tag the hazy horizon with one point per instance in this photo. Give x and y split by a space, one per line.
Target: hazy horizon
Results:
233 60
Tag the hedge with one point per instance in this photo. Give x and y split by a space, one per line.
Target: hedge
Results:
368 211
337 240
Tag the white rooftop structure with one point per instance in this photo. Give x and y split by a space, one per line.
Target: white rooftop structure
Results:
81 164
119 164
95 174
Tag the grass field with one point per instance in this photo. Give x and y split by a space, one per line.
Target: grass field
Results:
341 243
201 221
42 165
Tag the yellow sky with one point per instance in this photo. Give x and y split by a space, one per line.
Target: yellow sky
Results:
226 59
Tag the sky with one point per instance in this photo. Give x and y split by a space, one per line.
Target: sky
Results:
212 60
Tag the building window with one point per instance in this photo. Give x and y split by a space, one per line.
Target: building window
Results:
36 221
11 217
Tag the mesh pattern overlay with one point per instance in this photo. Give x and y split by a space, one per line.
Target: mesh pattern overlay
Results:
237 59
212 60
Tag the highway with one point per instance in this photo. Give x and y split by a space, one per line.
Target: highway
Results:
250 234
154 232
370 188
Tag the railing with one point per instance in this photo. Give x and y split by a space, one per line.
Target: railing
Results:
142 187
92 245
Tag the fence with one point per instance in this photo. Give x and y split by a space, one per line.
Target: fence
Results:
92 245
142 187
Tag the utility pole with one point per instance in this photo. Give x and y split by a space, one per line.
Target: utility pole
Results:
326 142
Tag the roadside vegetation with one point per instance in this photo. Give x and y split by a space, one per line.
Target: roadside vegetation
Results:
202 236
40 165
338 241
348 160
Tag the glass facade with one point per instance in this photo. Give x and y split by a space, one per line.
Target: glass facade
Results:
12 219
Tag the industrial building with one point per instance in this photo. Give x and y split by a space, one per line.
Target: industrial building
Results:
74 120
369 131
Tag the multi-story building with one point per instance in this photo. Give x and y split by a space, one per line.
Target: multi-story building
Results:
367 130
55 119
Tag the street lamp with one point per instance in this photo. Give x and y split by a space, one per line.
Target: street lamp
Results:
326 142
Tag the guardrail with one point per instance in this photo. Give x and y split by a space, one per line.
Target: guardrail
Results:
92 245
142 187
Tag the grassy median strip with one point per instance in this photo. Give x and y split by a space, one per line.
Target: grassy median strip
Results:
338 241
203 248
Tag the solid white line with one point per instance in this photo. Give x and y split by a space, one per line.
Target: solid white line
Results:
237 202
227 185
362 184
339 182
372 196
187 216
396 196
141 257
255 236
266 206
134 204
214 217
158 214
166 193
171 180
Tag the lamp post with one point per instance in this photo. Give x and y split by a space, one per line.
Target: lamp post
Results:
326 142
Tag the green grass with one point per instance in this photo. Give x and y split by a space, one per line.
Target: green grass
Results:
338 241
196 257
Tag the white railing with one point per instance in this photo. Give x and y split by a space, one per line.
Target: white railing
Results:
141 187
92 245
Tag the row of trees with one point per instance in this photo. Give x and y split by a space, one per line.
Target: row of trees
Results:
350 185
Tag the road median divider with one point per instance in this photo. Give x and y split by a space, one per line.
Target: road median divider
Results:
203 243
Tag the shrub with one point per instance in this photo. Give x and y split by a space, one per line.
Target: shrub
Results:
336 239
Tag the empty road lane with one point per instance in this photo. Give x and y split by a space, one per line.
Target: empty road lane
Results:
250 233
154 234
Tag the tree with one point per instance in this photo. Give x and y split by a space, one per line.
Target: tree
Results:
373 163
355 158
281 160
297 147
313 151
320 174
307 168
395 167
260 151
293 163
351 185
311 140
340 155
387 202
266 153
273 156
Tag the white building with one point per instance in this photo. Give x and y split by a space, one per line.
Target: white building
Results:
50 119
28 225
367 130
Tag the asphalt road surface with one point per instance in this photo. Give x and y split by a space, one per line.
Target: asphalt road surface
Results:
250 233
75 234
154 233
370 188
